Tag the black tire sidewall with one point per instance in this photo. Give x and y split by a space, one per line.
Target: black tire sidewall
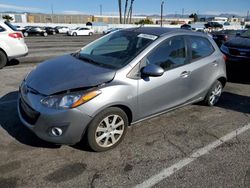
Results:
95 122
3 59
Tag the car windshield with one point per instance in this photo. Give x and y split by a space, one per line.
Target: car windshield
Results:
116 50
246 34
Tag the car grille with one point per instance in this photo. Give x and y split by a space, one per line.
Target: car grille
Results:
239 52
28 113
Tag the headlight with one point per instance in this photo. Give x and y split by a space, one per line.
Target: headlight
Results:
224 49
70 100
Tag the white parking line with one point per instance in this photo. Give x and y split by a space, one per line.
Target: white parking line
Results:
184 162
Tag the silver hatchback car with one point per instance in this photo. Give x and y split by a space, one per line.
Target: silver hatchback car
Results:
118 80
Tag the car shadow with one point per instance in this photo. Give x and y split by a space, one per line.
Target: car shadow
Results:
10 122
235 102
13 62
238 73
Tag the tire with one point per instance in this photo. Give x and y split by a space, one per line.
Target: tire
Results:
3 59
214 94
25 34
53 33
90 34
74 34
45 34
108 136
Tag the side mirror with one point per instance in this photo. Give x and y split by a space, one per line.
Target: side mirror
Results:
152 70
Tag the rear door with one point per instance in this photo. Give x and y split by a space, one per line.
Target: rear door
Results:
203 65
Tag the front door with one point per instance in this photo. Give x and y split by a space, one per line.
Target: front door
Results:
157 94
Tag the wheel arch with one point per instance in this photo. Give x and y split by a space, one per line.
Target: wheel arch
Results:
4 53
127 110
223 81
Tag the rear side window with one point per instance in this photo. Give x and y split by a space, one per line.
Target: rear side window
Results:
200 47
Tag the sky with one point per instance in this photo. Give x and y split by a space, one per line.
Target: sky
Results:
110 7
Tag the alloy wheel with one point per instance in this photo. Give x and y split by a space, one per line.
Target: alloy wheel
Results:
215 94
109 131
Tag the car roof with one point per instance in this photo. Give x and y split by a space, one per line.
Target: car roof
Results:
157 31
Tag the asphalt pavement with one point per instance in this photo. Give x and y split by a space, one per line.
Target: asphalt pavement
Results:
149 148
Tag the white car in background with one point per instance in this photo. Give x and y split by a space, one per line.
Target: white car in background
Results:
62 29
81 31
12 43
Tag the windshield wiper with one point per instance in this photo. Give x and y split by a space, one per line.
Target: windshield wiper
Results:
84 58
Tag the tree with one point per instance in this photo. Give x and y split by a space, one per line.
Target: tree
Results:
130 12
125 11
194 16
120 10
144 21
7 18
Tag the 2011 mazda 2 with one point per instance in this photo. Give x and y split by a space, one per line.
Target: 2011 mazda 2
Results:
118 80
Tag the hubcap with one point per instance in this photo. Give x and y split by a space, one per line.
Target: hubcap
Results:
109 131
215 94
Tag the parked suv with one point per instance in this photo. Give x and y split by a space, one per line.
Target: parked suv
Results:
12 43
118 80
81 31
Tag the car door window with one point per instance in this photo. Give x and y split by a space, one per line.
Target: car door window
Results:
169 54
200 47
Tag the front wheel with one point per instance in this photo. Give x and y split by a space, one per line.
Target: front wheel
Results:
45 34
214 94
107 129
74 34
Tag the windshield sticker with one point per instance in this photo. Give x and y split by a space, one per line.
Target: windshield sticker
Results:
146 36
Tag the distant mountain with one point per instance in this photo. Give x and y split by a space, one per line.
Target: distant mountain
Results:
187 15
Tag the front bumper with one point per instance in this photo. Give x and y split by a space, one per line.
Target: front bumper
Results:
41 120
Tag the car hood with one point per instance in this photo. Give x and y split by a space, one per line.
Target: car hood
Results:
66 73
239 42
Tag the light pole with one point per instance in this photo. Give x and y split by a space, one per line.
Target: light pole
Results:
162 3
101 10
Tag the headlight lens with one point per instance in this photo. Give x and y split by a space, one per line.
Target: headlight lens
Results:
67 101
224 49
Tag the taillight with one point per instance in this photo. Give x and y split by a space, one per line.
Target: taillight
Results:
16 35
225 57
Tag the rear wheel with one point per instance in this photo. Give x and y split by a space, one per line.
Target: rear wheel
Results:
3 59
26 34
214 94
45 34
107 129
90 34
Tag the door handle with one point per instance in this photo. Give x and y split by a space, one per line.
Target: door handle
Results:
185 74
